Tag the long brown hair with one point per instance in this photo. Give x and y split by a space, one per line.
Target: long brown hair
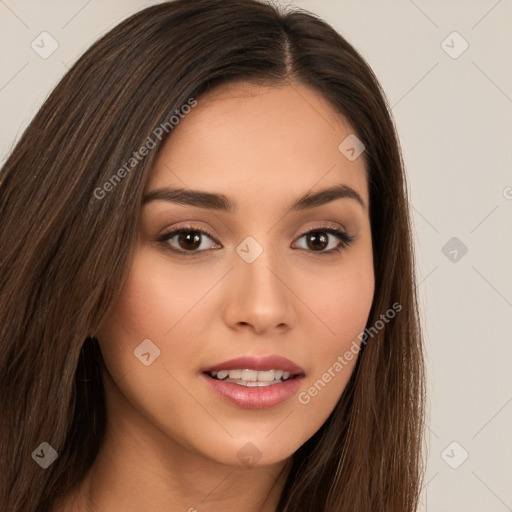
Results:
65 251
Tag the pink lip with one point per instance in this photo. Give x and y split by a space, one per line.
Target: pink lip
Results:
259 363
254 397
260 397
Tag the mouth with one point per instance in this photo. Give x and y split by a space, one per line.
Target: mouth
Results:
254 382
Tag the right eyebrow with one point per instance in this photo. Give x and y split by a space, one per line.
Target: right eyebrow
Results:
192 198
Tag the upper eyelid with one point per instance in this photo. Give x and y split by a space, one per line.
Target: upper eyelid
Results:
325 226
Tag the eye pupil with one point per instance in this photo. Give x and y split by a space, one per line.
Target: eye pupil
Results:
317 241
190 237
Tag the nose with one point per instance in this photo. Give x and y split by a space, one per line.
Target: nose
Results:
258 297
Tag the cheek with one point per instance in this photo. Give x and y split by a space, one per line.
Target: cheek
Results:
350 301
158 296
340 296
161 304
342 301
148 307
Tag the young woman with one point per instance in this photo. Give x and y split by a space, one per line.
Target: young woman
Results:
206 277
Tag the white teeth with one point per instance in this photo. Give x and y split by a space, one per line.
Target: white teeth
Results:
251 377
235 374
266 376
252 384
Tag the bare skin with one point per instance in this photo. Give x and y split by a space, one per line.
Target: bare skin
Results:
173 444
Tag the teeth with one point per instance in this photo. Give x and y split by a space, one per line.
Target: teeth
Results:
267 376
251 377
252 384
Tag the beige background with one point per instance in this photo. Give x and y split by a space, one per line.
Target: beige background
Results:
454 117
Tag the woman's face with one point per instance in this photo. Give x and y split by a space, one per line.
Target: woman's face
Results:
256 286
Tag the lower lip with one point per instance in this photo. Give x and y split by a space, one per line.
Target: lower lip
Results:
260 397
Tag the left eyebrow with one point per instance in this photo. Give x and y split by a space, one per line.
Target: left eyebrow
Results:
220 202
326 196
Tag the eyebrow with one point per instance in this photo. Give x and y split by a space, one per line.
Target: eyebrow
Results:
221 202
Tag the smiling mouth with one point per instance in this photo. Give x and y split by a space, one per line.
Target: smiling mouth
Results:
252 378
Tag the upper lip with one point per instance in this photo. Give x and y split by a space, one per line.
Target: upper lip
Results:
260 363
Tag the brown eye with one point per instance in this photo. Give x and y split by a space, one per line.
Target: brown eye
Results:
323 240
188 240
317 240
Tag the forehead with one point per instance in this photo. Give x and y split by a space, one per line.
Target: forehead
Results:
259 140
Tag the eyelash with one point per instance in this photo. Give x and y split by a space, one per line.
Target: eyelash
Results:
345 240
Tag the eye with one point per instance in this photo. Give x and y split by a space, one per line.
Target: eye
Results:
323 239
187 239
192 240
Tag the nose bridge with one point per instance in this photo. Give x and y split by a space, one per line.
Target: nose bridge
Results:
257 294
